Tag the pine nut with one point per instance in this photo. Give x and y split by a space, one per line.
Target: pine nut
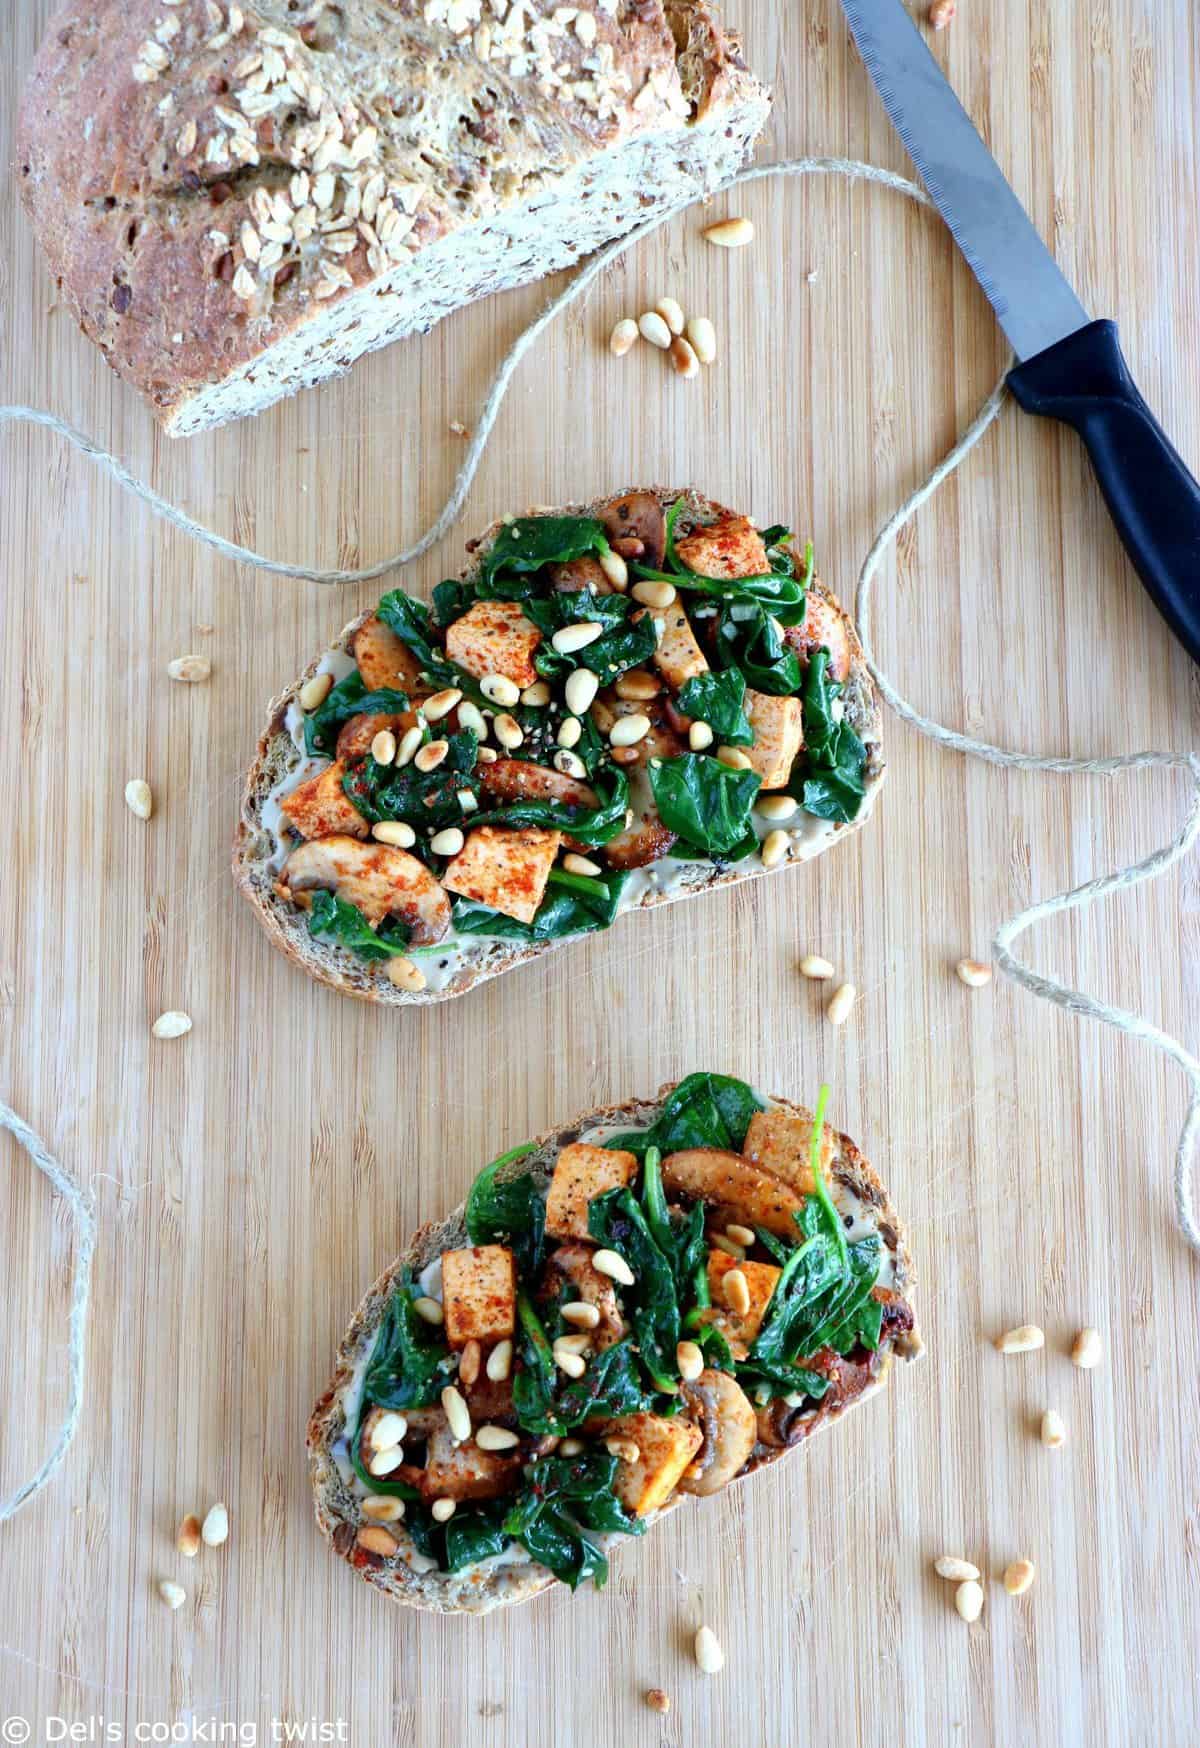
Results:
430 756
1087 1350
428 1310
615 569
496 1438
396 832
486 756
457 1414
703 336
388 1430
442 1510
623 336
575 864
740 1235
658 1700
814 967
1054 1429
959 1570
624 1448
383 1462
190 668
570 1447
499 1361
1019 1576
614 1266
441 704
573 1364
410 740
383 747
508 731
577 636
187 1539
382 1508
579 1343
499 689
730 233
582 1315
776 806
737 1292
570 732
683 358
448 842
404 973
735 758
469 1363
314 691
470 716
376 1540
627 731
658 595
636 686
968 1600
171 1025
690 1360
840 1004
652 327
774 849
536 695
700 736
138 798
941 13
174 1595
973 972
719 1241
215 1528
580 690
569 763
1024 1339
671 313
709 1654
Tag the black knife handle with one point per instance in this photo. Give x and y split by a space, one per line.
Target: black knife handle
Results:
1155 503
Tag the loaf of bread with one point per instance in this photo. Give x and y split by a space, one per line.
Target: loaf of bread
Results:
237 200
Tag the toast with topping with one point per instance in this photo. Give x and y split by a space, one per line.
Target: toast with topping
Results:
613 706
649 1304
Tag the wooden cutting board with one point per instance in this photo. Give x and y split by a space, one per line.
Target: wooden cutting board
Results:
254 1177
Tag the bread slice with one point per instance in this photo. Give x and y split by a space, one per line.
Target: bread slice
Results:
513 1577
238 200
259 850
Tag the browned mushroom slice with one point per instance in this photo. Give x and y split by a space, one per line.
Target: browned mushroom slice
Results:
357 733
641 843
823 626
637 517
522 780
383 660
573 1263
379 880
719 1407
709 1174
580 573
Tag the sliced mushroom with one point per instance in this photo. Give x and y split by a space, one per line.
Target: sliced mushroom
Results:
357 733
638 516
641 843
380 880
383 660
580 573
720 1408
725 1180
522 780
573 1263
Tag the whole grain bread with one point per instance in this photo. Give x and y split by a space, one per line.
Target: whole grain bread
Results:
255 851
518 1580
238 200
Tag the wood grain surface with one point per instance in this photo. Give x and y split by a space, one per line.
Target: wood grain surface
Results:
254 1177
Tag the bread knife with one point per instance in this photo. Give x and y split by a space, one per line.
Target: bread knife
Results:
1071 368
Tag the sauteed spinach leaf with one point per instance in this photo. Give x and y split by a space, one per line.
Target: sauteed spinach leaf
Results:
719 699
574 904
707 804
530 542
591 825
336 919
410 1362
503 1208
348 698
830 775
704 1110
426 799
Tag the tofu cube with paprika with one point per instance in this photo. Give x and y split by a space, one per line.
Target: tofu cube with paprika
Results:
479 1294
665 1449
782 1145
739 1329
504 869
678 656
494 637
729 547
462 1471
778 725
320 808
581 1173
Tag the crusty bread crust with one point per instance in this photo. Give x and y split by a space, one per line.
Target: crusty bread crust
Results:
287 927
498 1584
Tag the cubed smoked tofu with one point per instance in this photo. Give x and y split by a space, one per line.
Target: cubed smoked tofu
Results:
782 1145
506 870
778 725
740 1330
678 657
463 1471
494 637
383 660
729 547
581 1173
479 1294
319 807
728 1182
665 1448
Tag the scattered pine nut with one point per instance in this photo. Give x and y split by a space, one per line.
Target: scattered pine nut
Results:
615 569
690 1360
440 704
428 1310
615 1267
773 850
171 1025
581 1315
736 1289
740 1234
700 736
703 337
458 429
627 731
486 756
775 807
571 1447
410 740
968 1600
190 668
390 1429
709 1654
576 864
840 1004
577 636
941 13
952 1566
383 747
730 233
383 1508
376 1540
683 358
215 1528
578 1343
623 337
658 1700
430 756
187 1538
499 689
569 763
671 313
496 1438
637 686
573 1364
174 1595
404 973
1024 1339
973 972
624 1448
138 798
735 758
499 1361
814 967
652 594
722 1241
457 1413
314 691
508 731
652 327
469 1363
442 1510
1054 1429
1018 1577
580 690
385 1461
535 696
1087 1350
397 832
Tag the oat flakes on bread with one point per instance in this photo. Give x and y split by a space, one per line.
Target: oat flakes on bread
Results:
543 1456
556 748
239 199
